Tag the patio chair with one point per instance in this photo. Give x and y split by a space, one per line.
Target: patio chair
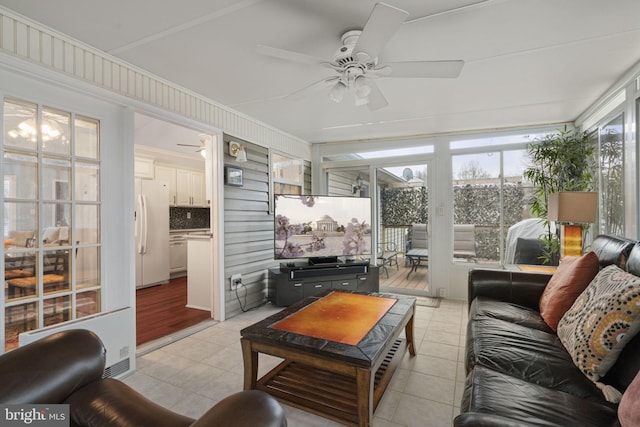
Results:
418 245
388 256
464 241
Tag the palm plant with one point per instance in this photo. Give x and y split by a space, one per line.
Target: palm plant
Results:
563 161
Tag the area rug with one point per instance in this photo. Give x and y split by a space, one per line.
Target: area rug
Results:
428 302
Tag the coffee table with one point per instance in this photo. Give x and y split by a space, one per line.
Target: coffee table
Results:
340 350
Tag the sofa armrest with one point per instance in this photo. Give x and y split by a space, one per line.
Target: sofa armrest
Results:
52 368
110 402
249 408
518 287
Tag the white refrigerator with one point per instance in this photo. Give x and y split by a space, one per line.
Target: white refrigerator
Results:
152 233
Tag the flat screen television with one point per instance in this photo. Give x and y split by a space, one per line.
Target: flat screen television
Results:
322 227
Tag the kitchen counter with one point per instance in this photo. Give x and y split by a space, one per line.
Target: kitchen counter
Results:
198 236
199 271
189 230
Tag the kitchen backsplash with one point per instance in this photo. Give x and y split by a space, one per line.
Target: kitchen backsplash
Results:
179 218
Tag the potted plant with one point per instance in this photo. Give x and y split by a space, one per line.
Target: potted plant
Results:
562 161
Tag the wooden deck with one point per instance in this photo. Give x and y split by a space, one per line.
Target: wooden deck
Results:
418 280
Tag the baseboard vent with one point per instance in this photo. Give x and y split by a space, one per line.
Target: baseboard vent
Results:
117 369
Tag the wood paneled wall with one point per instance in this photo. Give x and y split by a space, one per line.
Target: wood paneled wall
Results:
248 227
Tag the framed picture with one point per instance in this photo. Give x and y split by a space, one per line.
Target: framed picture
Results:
233 176
30 243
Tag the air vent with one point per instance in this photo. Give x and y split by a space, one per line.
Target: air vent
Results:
116 369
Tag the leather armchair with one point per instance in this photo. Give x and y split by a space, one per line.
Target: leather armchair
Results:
67 368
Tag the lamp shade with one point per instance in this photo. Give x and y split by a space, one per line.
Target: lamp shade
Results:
573 206
242 155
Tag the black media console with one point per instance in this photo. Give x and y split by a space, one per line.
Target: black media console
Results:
297 280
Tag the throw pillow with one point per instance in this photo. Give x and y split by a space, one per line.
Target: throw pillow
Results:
600 323
629 410
571 278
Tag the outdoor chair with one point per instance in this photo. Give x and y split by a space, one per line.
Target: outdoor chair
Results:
418 240
417 245
464 241
387 256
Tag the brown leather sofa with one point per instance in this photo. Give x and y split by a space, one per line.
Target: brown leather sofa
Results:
67 368
518 372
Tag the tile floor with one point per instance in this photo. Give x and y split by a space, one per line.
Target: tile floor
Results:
191 375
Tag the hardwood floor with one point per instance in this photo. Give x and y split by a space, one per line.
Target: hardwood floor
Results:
161 310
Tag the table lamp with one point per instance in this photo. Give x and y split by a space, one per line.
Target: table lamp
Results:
573 208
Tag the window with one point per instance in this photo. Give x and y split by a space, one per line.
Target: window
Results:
287 174
611 151
51 217
490 195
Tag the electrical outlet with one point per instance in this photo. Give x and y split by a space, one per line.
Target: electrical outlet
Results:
236 281
442 292
188 215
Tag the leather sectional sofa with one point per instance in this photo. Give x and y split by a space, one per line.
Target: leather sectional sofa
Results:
67 368
519 373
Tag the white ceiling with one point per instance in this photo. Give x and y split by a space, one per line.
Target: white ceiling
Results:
527 62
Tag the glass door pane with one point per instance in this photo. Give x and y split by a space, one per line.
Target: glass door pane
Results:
403 224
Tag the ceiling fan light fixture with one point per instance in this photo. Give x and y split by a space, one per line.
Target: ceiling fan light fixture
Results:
360 100
362 87
337 92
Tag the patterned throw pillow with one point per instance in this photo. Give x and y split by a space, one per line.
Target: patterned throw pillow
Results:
601 322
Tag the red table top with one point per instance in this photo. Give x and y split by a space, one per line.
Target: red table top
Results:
342 317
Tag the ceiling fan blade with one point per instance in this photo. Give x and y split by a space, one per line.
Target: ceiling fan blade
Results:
376 98
426 69
189 145
313 87
382 24
292 56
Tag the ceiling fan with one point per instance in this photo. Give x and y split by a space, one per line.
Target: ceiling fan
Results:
200 148
357 63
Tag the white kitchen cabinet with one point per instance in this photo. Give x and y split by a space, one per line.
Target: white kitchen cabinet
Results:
186 187
167 175
143 168
190 188
177 252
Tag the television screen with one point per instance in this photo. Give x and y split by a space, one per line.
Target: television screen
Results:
321 226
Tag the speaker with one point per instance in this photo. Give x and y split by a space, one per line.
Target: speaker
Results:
329 271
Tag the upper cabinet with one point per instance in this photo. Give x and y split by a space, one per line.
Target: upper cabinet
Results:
186 187
143 167
190 188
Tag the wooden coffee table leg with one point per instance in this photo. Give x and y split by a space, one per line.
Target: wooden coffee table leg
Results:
250 359
365 397
408 331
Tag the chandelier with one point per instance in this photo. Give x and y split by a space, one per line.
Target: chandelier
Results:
49 131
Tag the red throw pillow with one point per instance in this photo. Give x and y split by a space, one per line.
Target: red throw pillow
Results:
629 410
567 283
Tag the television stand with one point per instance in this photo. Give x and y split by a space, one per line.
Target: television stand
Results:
295 281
